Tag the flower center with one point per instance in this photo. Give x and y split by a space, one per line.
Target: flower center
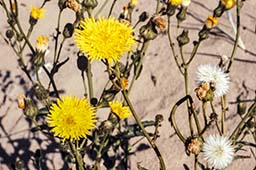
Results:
70 120
219 151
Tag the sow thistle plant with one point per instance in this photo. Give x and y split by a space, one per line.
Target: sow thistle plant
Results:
114 42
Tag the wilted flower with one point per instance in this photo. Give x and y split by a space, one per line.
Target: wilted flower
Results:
160 22
74 5
211 22
215 76
37 13
104 38
121 111
218 151
71 118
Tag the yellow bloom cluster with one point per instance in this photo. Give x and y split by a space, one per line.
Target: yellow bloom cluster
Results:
104 38
71 118
121 111
228 3
37 13
211 22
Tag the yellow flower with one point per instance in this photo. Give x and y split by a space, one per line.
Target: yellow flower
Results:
121 111
228 3
104 38
211 22
42 43
124 83
175 2
133 3
71 118
37 13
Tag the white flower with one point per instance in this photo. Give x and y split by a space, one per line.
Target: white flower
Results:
213 74
185 3
218 151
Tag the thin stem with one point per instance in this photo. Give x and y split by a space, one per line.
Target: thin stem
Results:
79 159
153 145
101 8
24 36
196 162
99 154
157 6
111 8
89 78
84 84
194 51
216 121
235 133
172 46
204 113
142 53
223 114
57 36
238 2
59 51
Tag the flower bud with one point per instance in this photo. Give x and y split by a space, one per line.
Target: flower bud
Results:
31 109
9 34
41 93
62 4
143 16
183 38
148 31
90 3
181 16
68 30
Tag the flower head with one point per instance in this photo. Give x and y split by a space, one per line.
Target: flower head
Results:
42 43
211 22
175 2
71 118
228 3
215 76
121 111
218 151
104 38
37 13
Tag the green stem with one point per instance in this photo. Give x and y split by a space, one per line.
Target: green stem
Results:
223 114
99 154
194 51
157 6
235 133
78 157
238 2
84 84
153 145
111 8
57 36
101 8
142 53
172 46
204 113
89 78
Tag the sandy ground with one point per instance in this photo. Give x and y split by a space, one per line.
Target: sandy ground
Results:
17 142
